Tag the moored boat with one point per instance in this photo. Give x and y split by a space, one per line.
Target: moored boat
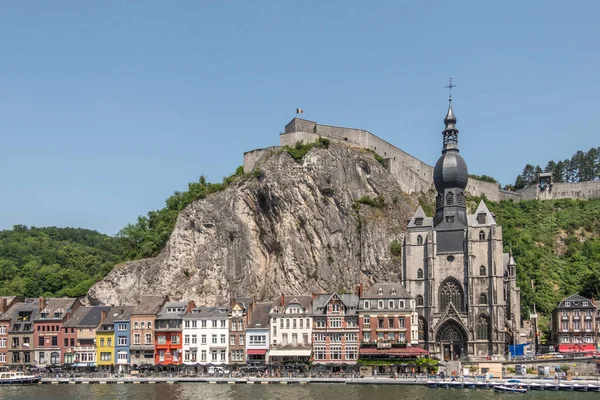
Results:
580 388
593 388
444 384
482 385
457 385
536 386
17 378
566 387
508 389
470 384
432 384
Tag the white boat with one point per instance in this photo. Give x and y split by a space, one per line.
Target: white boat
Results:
17 378
580 388
536 386
593 388
432 384
508 389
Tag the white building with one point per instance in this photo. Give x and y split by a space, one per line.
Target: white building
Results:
206 336
291 330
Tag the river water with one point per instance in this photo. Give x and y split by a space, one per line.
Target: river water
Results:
188 391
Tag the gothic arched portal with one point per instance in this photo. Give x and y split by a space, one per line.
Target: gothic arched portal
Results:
453 338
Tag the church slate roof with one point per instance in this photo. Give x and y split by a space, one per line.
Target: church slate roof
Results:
427 221
481 209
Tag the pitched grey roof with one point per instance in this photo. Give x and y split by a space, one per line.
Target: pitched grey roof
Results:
350 300
207 312
576 301
387 289
149 305
86 317
118 313
481 209
245 301
305 301
163 314
260 316
56 304
427 221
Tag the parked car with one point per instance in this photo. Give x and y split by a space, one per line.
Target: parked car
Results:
217 370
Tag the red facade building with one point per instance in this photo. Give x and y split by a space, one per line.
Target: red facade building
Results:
168 346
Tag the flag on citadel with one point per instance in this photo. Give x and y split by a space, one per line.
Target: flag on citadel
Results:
299 111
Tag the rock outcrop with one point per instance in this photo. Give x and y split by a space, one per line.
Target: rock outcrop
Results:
326 222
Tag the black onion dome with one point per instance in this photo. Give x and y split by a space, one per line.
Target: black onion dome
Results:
450 172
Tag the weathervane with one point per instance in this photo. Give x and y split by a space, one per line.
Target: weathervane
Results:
450 86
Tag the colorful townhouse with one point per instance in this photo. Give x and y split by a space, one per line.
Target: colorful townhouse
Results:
168 332
79 332
5 303
105 339
142 329
238 313
20 333
206 335
121 316
291 330
257 333
335 328
573 327
49 342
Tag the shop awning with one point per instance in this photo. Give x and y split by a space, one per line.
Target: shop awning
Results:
576 348
395 352
256 352
289 352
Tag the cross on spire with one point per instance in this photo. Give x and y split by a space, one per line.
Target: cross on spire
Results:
450 86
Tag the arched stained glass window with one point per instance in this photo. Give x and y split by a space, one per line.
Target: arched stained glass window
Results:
451 292
419 300
420 273
419 239
481 235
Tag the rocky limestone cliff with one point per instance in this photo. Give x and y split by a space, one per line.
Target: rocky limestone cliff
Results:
299 227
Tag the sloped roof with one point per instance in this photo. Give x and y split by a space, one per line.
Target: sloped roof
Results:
305 301
387 289
118 313
350 300
260 316
55 304
427 221
86 317
481 209
576 301
207 312
150 305
163 314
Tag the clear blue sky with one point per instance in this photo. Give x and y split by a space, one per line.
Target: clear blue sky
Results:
108 107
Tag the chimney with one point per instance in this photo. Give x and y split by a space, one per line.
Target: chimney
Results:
190 305
102 316
282 300
42 303
3 305
359 290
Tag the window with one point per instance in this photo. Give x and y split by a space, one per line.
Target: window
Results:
109 342
585 303
576 325
122 327
420 273
203 339
482 270
481 235
320 353
482 328
336 352
186 339
335 322
241 340
367 304
2 330
401 337
335 307
390 303
460 198
301 323
305 339
450 199
351 322
143 325
148 338
287 324
41 341
401 322
565 326
222 323
351 352
481 218
122 356
419 301
3 342
451 292
366 320
380 304
214 339
194 339
122 340
105 356
419 240
567 303
136 338
483 298
213 355
320 322
391 323
419 221
401 304
222 354
232 340
366 336
258 339
161 339
380 323
335 337
223 339
187 323
136 325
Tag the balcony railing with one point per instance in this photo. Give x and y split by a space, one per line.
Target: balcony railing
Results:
85 348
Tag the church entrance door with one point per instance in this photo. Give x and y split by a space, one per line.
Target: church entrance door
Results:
453 340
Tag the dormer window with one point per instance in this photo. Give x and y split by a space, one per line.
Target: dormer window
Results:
450 199
380 291
481 218
367 304
585 303
393 291
567 303
419 221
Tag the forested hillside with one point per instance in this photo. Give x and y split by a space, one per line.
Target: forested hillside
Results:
556 243
54 261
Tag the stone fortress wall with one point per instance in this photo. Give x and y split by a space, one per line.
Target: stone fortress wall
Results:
413 174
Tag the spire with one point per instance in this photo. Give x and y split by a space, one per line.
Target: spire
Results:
450 133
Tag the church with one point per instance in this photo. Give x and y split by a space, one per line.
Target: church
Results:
454 266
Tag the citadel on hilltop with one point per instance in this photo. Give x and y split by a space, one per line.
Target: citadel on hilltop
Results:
413 174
